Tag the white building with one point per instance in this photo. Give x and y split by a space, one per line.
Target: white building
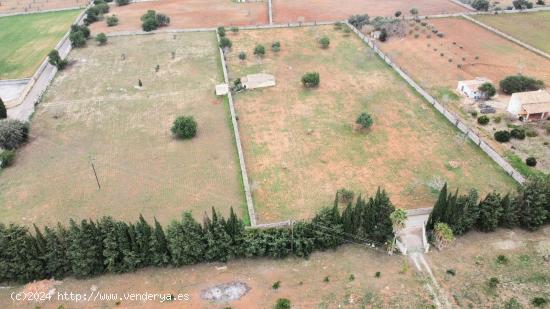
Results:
222 89
260 80
531 105
469 88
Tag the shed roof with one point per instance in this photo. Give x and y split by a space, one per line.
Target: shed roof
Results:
475 82
534 101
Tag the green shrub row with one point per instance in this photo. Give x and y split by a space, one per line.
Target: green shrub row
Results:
528 208
90 248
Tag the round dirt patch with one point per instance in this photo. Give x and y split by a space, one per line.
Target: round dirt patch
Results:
225 292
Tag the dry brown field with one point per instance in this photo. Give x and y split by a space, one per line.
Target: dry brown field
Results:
188 14
321 10
20 6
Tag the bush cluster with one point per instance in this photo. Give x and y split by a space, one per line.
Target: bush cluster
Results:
481 5
13 133
324 41
184 127
259 50
520 83
96 12
364 120
528 208
90 248
112 20
502 136
522 4
78 35
483 120
55 59
152 20
311 79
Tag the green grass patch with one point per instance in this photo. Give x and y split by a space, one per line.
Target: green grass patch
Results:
520 165
27 39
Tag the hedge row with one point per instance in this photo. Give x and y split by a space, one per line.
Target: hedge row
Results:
90 248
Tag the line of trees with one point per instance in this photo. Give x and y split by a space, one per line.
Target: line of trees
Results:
90 248
528 208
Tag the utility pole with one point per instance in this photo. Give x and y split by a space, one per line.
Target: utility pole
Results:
95 174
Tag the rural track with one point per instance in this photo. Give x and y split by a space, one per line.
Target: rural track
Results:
439 295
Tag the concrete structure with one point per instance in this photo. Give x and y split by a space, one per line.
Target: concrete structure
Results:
260 80
469 88
531 105
222 89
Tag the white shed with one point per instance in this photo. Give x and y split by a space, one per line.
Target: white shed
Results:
469 88
260 80
531 105
222 89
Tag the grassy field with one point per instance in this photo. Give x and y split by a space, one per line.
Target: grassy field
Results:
531 28
27 40
94 112
302 145
301 281
522 272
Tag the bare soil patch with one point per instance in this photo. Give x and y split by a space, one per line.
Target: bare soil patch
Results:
188 14
321 10
22 6
302 145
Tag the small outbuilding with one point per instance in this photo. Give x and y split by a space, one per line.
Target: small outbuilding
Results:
222 89
531 105
260 80
470 88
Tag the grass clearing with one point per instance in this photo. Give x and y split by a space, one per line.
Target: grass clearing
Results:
27 40
531 28
93 112
301 145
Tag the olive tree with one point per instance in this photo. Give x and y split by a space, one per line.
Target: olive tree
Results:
311 79
364 120
184 127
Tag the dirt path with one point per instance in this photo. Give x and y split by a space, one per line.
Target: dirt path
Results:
439 295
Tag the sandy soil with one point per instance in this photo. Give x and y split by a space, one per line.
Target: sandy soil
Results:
319 10
301 281
188 14
14 6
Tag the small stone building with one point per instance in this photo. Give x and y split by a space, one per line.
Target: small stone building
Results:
531 105
260 80
469 88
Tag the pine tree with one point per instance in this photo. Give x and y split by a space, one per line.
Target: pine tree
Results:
219 242
3 112
158 246
489 212
186 241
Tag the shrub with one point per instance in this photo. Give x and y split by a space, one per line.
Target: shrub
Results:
497 119
185 127
112 20
541 2
377 274
364 120
522 4
519 83
358 21
6 158
13 133
502 136
163 19
122 2
451 272
531 161
488 90
242 55
345 195
55 60
324 41
101 38
102 7
530 132
539 302
481 5
311 79
443 235
259 50
282 303
151 20
517 133
221 31
276 285
483 120
81 28
149 24
351 277
3 111
493 282
276 46
512 303
225 43
77 39
440 34
502 259
234 29
327 279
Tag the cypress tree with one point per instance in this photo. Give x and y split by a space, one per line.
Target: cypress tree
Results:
219 242
186 241
3 112
439 209
328 231
382 208
55 258
85 250
302 239
142 241
489 212
509 218
112 254
235 228
347 219
127 239
534 203
158 246
19 255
